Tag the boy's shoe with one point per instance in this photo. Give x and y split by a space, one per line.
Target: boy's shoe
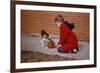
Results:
75 50
61 51
78 49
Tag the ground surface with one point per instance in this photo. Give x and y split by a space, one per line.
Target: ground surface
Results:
32 43
27 56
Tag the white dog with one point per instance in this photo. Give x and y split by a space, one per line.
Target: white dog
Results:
46 40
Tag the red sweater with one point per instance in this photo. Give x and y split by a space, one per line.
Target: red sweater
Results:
68 39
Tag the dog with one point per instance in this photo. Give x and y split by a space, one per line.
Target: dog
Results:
46 40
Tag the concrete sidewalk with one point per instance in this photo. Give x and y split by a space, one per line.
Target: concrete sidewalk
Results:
32 43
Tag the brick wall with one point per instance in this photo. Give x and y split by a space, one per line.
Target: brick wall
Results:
35 21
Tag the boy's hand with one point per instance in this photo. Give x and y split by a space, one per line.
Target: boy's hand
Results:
58 46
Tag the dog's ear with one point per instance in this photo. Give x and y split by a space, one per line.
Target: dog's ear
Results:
43 32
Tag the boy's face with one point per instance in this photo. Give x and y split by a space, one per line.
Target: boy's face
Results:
58 24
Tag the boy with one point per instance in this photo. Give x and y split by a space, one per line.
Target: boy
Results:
68 42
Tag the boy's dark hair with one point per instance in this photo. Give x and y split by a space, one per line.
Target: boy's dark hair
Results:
43 32
59 18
